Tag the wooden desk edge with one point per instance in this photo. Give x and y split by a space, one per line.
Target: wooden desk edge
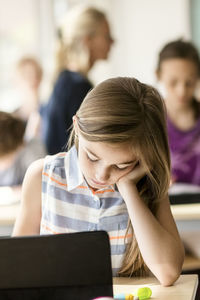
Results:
191 279
149 280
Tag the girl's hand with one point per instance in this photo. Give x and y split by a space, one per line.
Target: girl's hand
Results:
133 176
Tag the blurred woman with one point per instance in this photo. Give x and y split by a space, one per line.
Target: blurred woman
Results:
84 38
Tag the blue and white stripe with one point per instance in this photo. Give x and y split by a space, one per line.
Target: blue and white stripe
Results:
69 205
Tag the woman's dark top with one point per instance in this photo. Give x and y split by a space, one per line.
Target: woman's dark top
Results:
68 93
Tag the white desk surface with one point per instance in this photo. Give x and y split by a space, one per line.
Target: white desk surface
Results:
8 214
186 211
183 289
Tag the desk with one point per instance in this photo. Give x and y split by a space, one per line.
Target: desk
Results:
191 263
183 289
186 212
187 217
8 214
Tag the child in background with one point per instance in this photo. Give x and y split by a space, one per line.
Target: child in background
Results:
28 81
115 177
178 71
15 156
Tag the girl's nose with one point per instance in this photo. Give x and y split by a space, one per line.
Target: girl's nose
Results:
102 175
181 90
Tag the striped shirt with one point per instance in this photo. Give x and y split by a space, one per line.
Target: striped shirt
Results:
70 205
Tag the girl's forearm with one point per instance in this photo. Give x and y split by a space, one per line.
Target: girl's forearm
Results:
162 252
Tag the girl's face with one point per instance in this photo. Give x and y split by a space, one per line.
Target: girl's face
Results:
179 78
103 164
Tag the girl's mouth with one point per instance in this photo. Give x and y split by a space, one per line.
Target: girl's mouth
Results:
98 183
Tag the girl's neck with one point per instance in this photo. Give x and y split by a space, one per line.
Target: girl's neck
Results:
182 117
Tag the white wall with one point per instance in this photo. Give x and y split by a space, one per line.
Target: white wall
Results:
141 28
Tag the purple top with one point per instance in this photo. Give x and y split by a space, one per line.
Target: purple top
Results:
185 153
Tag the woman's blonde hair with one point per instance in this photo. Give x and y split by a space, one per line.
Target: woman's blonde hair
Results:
79 23
124 110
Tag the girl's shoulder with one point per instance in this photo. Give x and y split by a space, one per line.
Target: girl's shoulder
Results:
49 162
56 160
35 168
55 165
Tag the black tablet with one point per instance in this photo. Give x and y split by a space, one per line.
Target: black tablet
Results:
61 266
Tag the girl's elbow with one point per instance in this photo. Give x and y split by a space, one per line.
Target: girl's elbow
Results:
168 279
168 274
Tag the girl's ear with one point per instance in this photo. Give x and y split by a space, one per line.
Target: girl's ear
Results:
157 74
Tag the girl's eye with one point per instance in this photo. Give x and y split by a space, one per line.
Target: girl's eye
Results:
189 84
121 169
91 159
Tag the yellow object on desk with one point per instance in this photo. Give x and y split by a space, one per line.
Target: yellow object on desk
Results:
183 289
143 293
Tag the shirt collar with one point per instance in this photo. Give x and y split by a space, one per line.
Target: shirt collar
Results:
73 172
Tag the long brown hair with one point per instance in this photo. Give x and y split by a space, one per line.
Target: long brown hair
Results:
121 110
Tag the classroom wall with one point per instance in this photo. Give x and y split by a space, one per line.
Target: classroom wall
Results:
141 27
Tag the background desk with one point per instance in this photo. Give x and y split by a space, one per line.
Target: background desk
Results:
184 212
8 214
187 217
183 289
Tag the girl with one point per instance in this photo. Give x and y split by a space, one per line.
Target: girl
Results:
84 38
178 70
28 81
115 177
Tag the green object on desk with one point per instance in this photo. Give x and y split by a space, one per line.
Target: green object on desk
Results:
144 293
